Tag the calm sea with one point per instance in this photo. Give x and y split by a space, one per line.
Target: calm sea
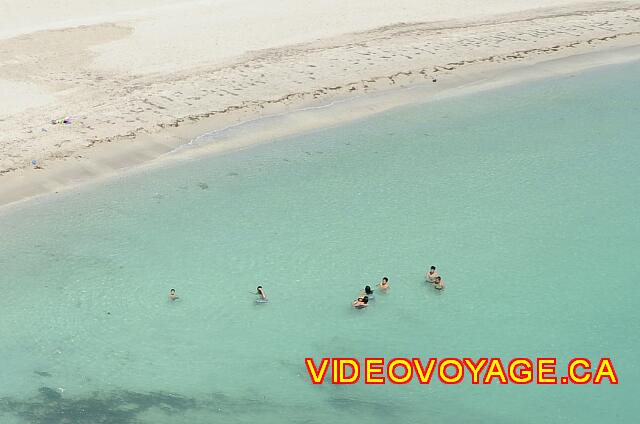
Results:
526 198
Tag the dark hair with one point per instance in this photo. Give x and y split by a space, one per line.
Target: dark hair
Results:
172 290
367 289
433 267
259 287
365 299
438 278
385 279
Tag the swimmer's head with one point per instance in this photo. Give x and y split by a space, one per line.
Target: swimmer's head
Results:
433 268
365 299
385 279
172 291
367 289
259 288
438 279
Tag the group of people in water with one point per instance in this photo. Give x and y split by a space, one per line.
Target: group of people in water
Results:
365 295
262 296
435 279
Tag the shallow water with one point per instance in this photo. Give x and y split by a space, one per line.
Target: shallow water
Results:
526 198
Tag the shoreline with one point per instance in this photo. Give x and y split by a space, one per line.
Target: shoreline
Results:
196 140
609 35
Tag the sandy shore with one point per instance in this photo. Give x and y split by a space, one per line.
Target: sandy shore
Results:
133 94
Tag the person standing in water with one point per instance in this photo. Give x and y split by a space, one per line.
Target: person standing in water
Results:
361 302
384 284
438 283
173 295
432 275
367 292
260 292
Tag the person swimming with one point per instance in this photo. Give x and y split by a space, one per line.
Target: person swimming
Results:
173 295
438 283
367 292
384 284
361 302
432 275
260 292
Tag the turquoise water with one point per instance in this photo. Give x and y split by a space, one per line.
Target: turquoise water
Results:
526 198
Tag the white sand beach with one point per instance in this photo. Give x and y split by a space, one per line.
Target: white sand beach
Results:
138 79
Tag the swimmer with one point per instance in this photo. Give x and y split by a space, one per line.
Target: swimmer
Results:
361 302
432 275
261 293
367 292
438 284
173 295
384 284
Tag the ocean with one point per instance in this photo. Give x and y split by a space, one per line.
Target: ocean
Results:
525 197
